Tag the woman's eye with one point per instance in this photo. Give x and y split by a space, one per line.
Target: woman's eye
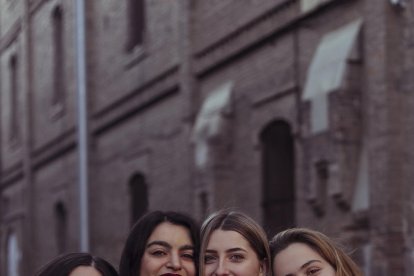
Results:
188 255
312 271
236 258
209 259
158 253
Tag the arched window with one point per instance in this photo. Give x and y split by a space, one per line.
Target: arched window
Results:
58 59
60 227
204 206
13 255
14 97
136 23
138 196
278 176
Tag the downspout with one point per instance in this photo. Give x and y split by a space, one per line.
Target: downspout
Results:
82 125
30 244
298 86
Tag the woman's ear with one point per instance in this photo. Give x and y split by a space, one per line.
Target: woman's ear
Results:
263 268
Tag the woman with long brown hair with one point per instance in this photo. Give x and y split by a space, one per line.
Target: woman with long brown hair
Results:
301 251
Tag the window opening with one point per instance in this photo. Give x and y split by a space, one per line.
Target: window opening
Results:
278 176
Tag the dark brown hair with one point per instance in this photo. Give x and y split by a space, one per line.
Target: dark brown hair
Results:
135 245
64 264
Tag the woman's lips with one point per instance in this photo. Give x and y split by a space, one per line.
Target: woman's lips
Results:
170 274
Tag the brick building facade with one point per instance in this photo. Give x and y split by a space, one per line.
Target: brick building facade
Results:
297 112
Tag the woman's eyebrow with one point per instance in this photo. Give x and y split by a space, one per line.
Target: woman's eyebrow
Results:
161 243
235 250
187 247
309 263
230 250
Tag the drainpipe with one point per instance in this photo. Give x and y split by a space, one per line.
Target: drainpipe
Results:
29 241
82 125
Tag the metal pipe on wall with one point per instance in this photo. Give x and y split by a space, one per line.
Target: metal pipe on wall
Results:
29 242
82 125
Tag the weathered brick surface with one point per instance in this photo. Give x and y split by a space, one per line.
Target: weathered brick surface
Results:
48 125
115 72
55 183
217 19
11 149
11 13
142 107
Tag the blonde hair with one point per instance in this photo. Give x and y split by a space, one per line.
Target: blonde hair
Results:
229 220
323 245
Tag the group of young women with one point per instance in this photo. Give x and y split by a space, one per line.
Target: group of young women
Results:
230 243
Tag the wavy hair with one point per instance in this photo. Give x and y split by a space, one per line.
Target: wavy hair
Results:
323 245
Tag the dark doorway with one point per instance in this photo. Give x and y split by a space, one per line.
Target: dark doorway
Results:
278 176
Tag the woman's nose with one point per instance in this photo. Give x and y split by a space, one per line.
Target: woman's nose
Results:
174 262
222 269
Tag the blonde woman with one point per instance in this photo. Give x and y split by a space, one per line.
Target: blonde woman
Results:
233 244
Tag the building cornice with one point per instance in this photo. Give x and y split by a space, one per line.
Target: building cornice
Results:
269 24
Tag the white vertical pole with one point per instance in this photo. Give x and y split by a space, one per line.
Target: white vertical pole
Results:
82 125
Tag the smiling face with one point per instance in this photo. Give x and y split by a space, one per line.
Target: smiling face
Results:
229 253
85 271
298 259
169 251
